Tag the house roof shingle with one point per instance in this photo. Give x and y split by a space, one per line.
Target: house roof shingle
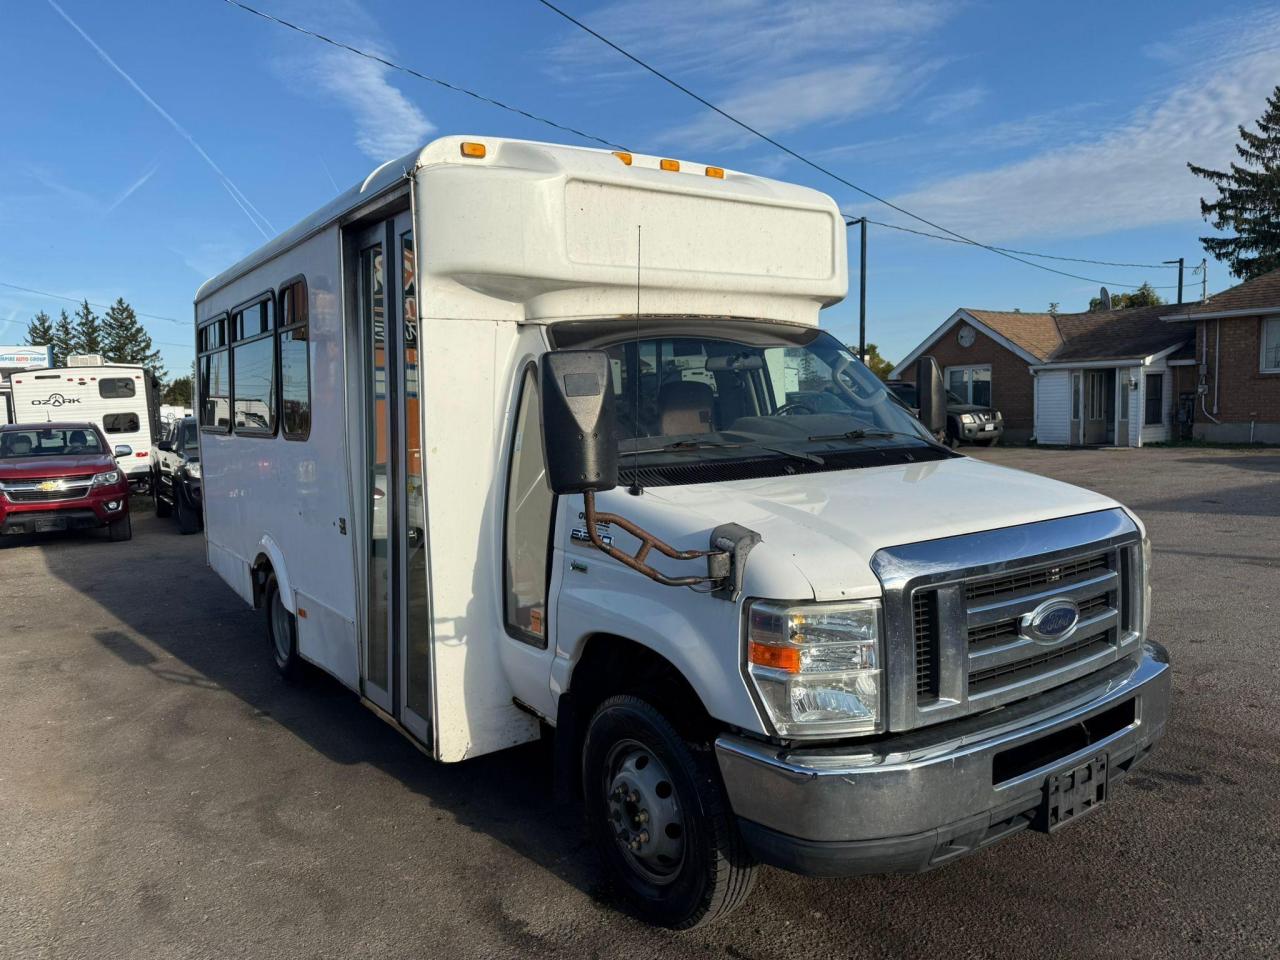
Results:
1261 294
1081 337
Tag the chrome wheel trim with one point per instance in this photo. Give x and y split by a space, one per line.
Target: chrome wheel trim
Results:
644 812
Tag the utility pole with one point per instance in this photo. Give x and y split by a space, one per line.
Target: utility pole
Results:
862 288
1204 279
1181 263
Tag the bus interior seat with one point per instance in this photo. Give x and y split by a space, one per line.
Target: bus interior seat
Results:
685 407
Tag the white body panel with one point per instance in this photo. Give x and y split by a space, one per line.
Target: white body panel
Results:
73 394
530 236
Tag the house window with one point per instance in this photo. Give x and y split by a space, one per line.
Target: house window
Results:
971 384
1271 345
214 376
1075 396
1122 395
1154 414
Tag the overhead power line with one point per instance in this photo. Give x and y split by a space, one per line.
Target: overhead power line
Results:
100 306
1025 253
813 164
422 76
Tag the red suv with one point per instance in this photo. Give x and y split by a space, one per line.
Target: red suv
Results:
61 476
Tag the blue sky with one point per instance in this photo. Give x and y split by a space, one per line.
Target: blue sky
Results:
1057 128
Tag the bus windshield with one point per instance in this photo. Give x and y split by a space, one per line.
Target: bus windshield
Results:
754 393
55 442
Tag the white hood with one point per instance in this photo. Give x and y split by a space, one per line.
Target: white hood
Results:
828 525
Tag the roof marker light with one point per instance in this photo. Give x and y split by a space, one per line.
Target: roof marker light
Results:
475 151
717 172
670 165
623 156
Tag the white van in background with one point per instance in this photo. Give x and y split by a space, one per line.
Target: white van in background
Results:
122 399
514 437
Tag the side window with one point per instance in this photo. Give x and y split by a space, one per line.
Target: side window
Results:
214 369
253 369
295 362
528 522
116 388
1153 415
120 423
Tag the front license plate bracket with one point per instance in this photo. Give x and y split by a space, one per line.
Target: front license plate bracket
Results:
1070 794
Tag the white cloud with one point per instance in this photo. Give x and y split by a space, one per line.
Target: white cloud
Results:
387 123
769 48
1132 174
946 105
799 101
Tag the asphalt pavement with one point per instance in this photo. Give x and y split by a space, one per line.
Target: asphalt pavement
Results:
164 795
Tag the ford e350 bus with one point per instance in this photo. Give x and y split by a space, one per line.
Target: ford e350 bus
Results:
515 436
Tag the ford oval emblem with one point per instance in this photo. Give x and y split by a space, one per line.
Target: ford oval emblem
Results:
1051 622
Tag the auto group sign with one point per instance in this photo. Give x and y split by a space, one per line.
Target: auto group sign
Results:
25 358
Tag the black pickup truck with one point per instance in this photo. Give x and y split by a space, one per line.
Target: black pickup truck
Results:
966 422
176 476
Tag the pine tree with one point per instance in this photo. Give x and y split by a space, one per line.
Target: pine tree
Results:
1248 201
40 330
88 330
125 340
64 340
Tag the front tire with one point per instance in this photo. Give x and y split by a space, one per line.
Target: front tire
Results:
120 530
282 632
188 518
660 819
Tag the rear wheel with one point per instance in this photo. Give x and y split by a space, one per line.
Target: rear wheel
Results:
660 819
120 530
282 631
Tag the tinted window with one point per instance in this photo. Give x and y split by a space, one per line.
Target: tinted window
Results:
115 388
255 403
215 391
529 502
48 442
120 423
186 436
295 365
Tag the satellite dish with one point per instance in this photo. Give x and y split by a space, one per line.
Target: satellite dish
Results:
1105 297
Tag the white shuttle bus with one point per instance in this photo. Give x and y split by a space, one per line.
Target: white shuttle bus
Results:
515 437
122 399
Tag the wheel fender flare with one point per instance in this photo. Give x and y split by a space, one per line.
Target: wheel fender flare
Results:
268 550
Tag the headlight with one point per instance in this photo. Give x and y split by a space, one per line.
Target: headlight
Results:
816 666
106 479
999 415
967 418
193 469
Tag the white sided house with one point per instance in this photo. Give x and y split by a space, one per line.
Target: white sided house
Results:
122 399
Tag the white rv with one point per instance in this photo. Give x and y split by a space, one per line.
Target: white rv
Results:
122 399
516 437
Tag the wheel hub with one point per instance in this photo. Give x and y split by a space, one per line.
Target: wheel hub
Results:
644 812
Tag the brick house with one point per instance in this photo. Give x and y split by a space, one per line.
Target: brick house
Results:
1104 378
1231 384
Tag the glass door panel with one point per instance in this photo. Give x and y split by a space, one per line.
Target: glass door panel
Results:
377 480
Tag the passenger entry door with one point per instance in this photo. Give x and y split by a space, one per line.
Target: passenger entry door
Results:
395 661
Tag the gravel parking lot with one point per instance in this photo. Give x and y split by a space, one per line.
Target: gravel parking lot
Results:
163 794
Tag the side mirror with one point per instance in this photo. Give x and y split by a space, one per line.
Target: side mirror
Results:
165 446
931 395
123 450
578 421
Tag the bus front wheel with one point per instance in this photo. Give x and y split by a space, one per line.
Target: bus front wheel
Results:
660 819
282 631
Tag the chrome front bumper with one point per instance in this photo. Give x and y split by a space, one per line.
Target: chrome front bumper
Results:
913 801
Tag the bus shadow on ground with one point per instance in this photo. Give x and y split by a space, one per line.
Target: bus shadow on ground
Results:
211 642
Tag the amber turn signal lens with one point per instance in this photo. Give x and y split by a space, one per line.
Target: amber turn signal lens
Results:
717 172
475 151
672 165
779 658
623 156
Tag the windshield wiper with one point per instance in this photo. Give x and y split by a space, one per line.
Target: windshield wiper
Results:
681 446
866 434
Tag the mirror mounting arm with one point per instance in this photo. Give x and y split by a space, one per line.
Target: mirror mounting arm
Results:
716 559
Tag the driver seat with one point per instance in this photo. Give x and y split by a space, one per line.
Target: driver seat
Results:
77 441
18 446
685 407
